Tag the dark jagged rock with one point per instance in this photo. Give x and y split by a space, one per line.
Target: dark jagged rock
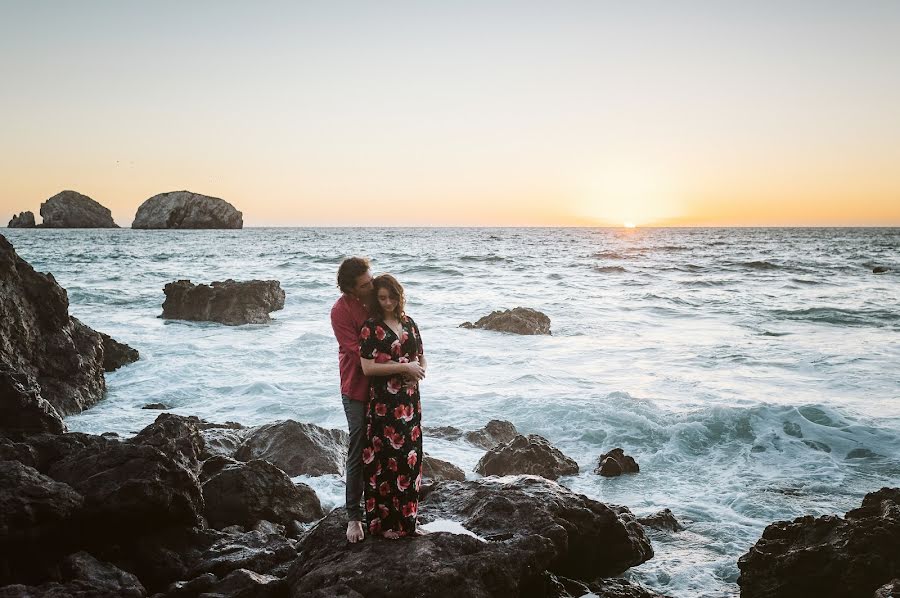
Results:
663 520
36 515
130 488
243 583
520 320
246 493
445 432
176 436
227 302
435 469
191 588
83 576
223 439
23 220
268 554
159 406
590 539
532 454
296 448
880 269
40 339
615 463
48 449
70 209
213 465
438 564
23 411
183 209
116 354
558 586
827 556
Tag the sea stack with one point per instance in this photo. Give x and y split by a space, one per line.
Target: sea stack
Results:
227 302
70 209
23 220
183 209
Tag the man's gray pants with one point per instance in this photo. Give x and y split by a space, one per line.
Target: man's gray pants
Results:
356 421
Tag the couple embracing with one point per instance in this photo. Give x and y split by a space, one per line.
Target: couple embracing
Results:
381 360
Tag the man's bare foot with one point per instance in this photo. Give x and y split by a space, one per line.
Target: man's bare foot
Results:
391 535
355 531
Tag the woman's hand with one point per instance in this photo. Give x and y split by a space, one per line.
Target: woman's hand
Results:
414 370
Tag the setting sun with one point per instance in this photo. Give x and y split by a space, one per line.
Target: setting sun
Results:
629 225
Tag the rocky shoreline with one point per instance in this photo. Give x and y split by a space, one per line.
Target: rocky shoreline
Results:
188 507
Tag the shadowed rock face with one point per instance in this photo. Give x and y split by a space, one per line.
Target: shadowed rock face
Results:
245 493
40 339
70 209
23 220
227 302
83 576
532 454
23 411
827 556
183 209
435 469
116 354
297 448
520 320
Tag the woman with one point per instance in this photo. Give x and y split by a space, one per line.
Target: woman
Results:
392 356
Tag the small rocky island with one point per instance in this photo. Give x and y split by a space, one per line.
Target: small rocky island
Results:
70 209
520 320
226 302
186 210
22 220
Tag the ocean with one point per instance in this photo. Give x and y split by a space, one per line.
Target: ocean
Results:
753 373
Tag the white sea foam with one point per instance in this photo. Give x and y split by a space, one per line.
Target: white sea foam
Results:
745 396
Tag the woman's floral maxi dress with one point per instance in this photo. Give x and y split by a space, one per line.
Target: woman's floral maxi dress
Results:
392 457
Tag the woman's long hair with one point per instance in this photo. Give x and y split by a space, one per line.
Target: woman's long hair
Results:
394 288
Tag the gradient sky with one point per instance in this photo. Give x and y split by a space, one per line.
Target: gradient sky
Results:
459 113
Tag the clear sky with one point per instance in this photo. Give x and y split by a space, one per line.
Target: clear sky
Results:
459 113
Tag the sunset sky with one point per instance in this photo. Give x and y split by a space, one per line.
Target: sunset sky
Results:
459 113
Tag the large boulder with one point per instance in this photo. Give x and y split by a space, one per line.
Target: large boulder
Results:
177 436
532 455
520 320
227 302
183 209
116 354
827 556
130 488
222 440
23 220
528 528
70 209
23 411
245 493
435 469
83 576
296 448
40 339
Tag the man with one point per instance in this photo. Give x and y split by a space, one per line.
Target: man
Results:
348 315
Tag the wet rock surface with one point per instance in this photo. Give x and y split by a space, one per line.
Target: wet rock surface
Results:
827 556
83 576
70 209
297 448
22 220
663 520
183 209
226 302
245 493
519 320
116 354
177 436
615 463
23 411
39 338
532 454
434 469
496 431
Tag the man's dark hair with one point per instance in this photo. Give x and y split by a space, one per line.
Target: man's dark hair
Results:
351 269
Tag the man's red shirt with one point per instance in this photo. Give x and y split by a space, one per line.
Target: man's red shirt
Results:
347 318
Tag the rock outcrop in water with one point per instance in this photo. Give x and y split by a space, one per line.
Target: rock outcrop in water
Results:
23 220
496 431
532 454
227 302
116 354
39 339
520 320
186 210
434 469
533 533
880 269
829 556
615 463
70 209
